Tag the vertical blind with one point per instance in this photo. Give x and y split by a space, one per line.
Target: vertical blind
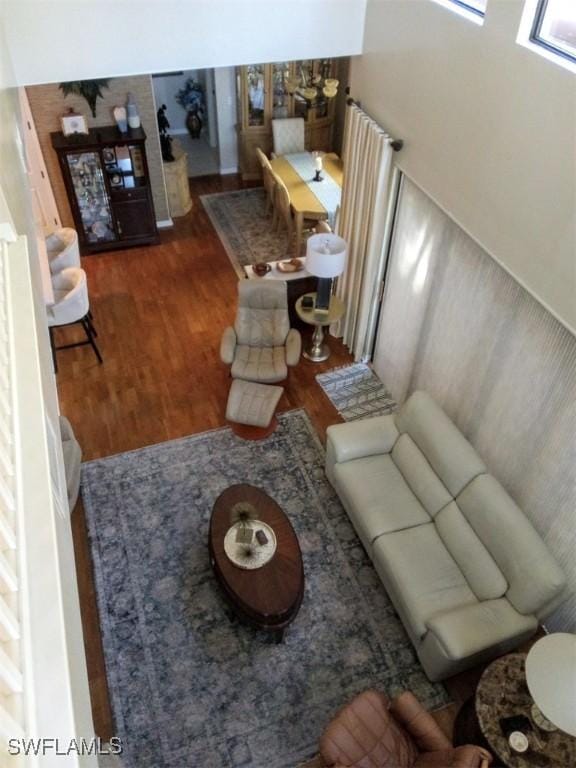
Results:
457 325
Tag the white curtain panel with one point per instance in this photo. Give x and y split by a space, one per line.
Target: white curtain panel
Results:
368 167
457 325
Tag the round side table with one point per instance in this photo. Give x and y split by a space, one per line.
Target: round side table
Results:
318 350
502 692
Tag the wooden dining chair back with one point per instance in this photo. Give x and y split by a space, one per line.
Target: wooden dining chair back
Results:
283 207
267 179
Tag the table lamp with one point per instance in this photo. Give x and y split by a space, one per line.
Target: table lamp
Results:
325 258
551 679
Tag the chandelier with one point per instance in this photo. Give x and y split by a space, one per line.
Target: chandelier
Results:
311 87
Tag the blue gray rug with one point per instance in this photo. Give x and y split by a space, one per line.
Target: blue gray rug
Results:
190 688
356 392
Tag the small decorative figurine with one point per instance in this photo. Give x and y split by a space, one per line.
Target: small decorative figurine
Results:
165 138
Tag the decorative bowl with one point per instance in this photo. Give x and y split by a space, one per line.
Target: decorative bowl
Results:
290 265
261 268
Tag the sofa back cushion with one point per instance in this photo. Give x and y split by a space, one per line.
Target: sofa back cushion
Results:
448 452
534 578
484 577
419 475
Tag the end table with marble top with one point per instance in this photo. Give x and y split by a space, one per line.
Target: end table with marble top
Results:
501 693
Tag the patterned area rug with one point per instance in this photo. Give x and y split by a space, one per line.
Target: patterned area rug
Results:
190 687
356 392
245 230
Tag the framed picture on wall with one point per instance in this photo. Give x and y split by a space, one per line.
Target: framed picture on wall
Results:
72 123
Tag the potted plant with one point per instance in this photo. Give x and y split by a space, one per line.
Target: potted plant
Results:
191 98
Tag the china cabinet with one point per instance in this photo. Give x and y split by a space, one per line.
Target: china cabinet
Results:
269 91
108 186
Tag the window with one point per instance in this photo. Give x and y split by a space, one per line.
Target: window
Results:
476 6
473 10
554 27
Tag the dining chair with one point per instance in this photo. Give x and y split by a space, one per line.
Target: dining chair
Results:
284 217
71 306
269 183
322 227
62 249
288 135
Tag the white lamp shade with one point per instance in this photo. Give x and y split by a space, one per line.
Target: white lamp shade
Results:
551 679
325 255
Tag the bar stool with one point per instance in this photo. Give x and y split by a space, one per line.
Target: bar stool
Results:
71 306
62 248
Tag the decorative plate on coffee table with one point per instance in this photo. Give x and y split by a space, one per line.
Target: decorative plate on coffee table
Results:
253 555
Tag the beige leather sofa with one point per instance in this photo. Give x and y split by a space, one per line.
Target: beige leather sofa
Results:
468 574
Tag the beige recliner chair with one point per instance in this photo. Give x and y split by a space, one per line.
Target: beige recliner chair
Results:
261 345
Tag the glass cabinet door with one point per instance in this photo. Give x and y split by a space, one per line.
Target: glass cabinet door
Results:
304 73
256 92
323 71
280 89
91 196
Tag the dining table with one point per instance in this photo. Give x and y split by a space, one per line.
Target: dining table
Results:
310 199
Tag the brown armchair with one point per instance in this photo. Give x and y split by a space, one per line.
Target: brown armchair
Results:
372 732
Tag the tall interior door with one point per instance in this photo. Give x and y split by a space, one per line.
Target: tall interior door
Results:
45 210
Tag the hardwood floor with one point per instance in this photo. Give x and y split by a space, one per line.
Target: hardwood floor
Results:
160 312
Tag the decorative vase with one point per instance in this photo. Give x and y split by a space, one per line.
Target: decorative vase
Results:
120 118
132 112
194 124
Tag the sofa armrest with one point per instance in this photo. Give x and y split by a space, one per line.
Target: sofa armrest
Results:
419 723
468 756
471 629
357 439
293 347
228 346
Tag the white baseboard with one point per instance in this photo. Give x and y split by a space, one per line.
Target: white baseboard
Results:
225 171
165 224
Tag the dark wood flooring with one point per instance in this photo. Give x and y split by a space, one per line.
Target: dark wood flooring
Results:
160 312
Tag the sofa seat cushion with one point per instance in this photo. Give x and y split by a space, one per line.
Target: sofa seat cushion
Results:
264 364
474 628
420 576
376 497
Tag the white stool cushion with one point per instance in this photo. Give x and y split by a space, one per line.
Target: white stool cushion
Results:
251 403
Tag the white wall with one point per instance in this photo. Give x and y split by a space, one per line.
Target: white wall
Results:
54 41
225 87
489 131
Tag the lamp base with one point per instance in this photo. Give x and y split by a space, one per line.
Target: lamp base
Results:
323 294
318 176
318 351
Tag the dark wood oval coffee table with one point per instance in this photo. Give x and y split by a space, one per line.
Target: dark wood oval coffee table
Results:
268 597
